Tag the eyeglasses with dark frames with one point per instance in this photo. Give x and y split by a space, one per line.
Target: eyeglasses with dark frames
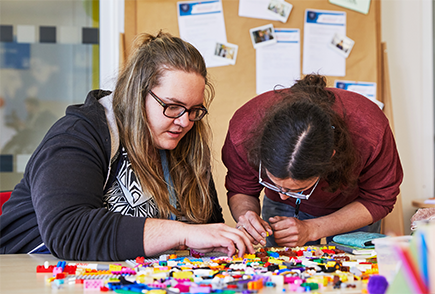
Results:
176 110
281 191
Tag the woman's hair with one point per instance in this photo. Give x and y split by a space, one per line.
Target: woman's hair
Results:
300 135
189 162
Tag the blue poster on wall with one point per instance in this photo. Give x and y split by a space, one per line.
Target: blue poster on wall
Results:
14 55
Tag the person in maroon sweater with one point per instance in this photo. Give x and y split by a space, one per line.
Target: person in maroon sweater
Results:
326 156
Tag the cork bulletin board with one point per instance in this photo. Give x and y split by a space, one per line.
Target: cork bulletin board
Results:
236 84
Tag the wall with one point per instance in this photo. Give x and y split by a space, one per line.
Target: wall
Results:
407 29
236 84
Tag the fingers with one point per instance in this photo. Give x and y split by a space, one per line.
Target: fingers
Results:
243 229
214 237
281 222
268 228
289 231
257 228
276 219
236 239
284 231
286 238
243 243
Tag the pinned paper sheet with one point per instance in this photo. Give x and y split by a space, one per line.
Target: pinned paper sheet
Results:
202 24
226 52
341 44
262 36
280 9
279 64
256 9
319 28
357 5
367 89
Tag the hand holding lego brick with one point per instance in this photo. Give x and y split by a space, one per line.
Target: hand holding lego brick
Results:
290 231
256 228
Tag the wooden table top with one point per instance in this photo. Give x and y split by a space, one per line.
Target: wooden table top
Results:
420 203
18 276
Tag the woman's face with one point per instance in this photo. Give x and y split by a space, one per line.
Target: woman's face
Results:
176 87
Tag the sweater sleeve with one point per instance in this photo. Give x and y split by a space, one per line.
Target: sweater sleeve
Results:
66 177
380 179
241 178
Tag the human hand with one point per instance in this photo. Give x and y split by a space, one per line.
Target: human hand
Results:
217 237
257 228
290 231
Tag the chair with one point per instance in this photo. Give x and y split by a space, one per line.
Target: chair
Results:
4 196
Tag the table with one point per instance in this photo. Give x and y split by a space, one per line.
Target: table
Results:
421 204
18 275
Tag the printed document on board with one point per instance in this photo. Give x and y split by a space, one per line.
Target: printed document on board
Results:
255 9
362 6
202 24
367 89
319 29
279 64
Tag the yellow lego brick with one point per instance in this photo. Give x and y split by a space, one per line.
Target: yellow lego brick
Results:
164 268
144 279
159 276
115 267
322 280
49 280
156 291
182 252
275 261
343 278
183 268
182 275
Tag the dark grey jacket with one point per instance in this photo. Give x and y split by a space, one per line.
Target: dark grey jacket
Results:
59 201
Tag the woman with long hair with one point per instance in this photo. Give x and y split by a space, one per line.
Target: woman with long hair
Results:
127 173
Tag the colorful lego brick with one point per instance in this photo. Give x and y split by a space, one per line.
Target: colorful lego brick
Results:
91 285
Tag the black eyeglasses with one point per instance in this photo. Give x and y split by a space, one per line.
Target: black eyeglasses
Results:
281 191
176 110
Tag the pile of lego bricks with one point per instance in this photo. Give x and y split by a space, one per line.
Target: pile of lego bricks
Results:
271 270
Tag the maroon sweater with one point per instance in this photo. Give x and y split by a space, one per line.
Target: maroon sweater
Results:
380 172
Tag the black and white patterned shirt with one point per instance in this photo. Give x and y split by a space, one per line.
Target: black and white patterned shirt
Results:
126 196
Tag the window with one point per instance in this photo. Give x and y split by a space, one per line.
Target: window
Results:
49 59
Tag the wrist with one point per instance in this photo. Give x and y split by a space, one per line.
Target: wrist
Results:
182 232
314 229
